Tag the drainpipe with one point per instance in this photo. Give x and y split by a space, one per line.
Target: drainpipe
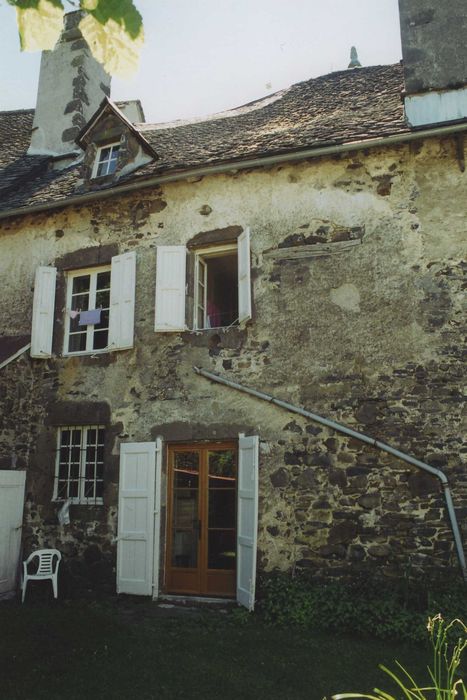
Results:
363 438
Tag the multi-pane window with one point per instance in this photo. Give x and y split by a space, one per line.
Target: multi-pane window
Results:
106 161
88 290
216 291
79 473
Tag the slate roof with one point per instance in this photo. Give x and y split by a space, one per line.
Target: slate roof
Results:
345 106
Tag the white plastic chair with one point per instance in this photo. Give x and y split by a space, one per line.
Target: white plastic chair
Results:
47 567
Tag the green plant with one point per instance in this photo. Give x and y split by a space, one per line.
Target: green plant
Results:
443 683
367 607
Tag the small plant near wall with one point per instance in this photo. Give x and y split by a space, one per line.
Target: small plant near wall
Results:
368 607
448 641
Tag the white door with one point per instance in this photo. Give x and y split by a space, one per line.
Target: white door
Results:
139 518
247 519
11 519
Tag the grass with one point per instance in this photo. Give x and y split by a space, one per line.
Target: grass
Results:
84 650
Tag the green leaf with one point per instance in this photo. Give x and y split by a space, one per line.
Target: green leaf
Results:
113 30
39 23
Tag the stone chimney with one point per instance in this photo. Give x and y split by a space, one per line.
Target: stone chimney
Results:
72 85
434 52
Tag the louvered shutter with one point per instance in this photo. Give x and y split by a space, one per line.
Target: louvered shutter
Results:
138 518
122 301
244 276
43 312
247 519
170 288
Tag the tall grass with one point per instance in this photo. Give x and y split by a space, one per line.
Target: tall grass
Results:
448 641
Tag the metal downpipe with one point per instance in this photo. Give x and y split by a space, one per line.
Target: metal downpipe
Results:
363 438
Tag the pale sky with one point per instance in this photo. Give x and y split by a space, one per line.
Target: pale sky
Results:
205 56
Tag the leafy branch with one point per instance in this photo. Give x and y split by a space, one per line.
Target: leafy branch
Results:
113 29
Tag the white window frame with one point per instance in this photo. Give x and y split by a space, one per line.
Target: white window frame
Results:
81 498
70 275
218 251
99 161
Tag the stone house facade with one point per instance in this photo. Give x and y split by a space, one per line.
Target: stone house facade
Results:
309 246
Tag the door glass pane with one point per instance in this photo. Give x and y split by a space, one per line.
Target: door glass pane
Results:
186 470
221 509
185 535
222 549
222 469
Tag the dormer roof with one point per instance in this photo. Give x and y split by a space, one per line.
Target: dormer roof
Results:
106 107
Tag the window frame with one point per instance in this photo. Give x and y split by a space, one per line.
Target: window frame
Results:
201 254
70 276
81 498
98 161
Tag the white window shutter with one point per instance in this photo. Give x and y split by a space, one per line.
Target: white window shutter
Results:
247 519
244 276
170 288
43 312
137 562
122 301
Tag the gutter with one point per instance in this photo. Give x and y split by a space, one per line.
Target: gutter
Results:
363 438
14 356
235 166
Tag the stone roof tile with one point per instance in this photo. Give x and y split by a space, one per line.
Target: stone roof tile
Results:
345 106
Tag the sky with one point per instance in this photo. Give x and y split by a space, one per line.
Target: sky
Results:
206 56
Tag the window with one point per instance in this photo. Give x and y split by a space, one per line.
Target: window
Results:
106 294
87 290
216 288
106 160
222 286
79 473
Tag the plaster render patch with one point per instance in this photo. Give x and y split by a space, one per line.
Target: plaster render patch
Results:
347 297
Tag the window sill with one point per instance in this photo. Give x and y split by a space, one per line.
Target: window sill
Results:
87 353
78 502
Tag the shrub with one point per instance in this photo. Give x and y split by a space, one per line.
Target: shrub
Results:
368 607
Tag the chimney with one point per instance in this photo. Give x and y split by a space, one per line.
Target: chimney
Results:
72 85
434 53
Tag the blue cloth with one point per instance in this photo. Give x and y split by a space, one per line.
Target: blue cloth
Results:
90 318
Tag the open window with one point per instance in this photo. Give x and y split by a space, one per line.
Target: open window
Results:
106 160
216 288
222 286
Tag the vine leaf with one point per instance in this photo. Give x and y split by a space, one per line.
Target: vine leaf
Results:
113 30
39 23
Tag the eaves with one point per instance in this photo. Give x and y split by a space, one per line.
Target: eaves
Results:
234 166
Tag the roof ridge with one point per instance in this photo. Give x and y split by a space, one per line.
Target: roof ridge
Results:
29 110
258 103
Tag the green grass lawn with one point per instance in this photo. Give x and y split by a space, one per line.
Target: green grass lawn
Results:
84 650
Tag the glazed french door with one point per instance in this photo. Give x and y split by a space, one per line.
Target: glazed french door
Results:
201 532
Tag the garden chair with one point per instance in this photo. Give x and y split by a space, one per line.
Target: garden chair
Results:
47 567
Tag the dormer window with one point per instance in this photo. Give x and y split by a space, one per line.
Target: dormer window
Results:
106 160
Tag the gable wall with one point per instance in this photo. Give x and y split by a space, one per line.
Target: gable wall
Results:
368 336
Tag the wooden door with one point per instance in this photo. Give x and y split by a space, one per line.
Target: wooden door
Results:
201 532
11 518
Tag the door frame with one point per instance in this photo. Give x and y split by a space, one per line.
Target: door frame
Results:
202 573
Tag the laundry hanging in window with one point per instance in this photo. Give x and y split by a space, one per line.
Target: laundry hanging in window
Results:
90 318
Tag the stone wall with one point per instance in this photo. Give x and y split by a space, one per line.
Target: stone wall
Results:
431 34
363 327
